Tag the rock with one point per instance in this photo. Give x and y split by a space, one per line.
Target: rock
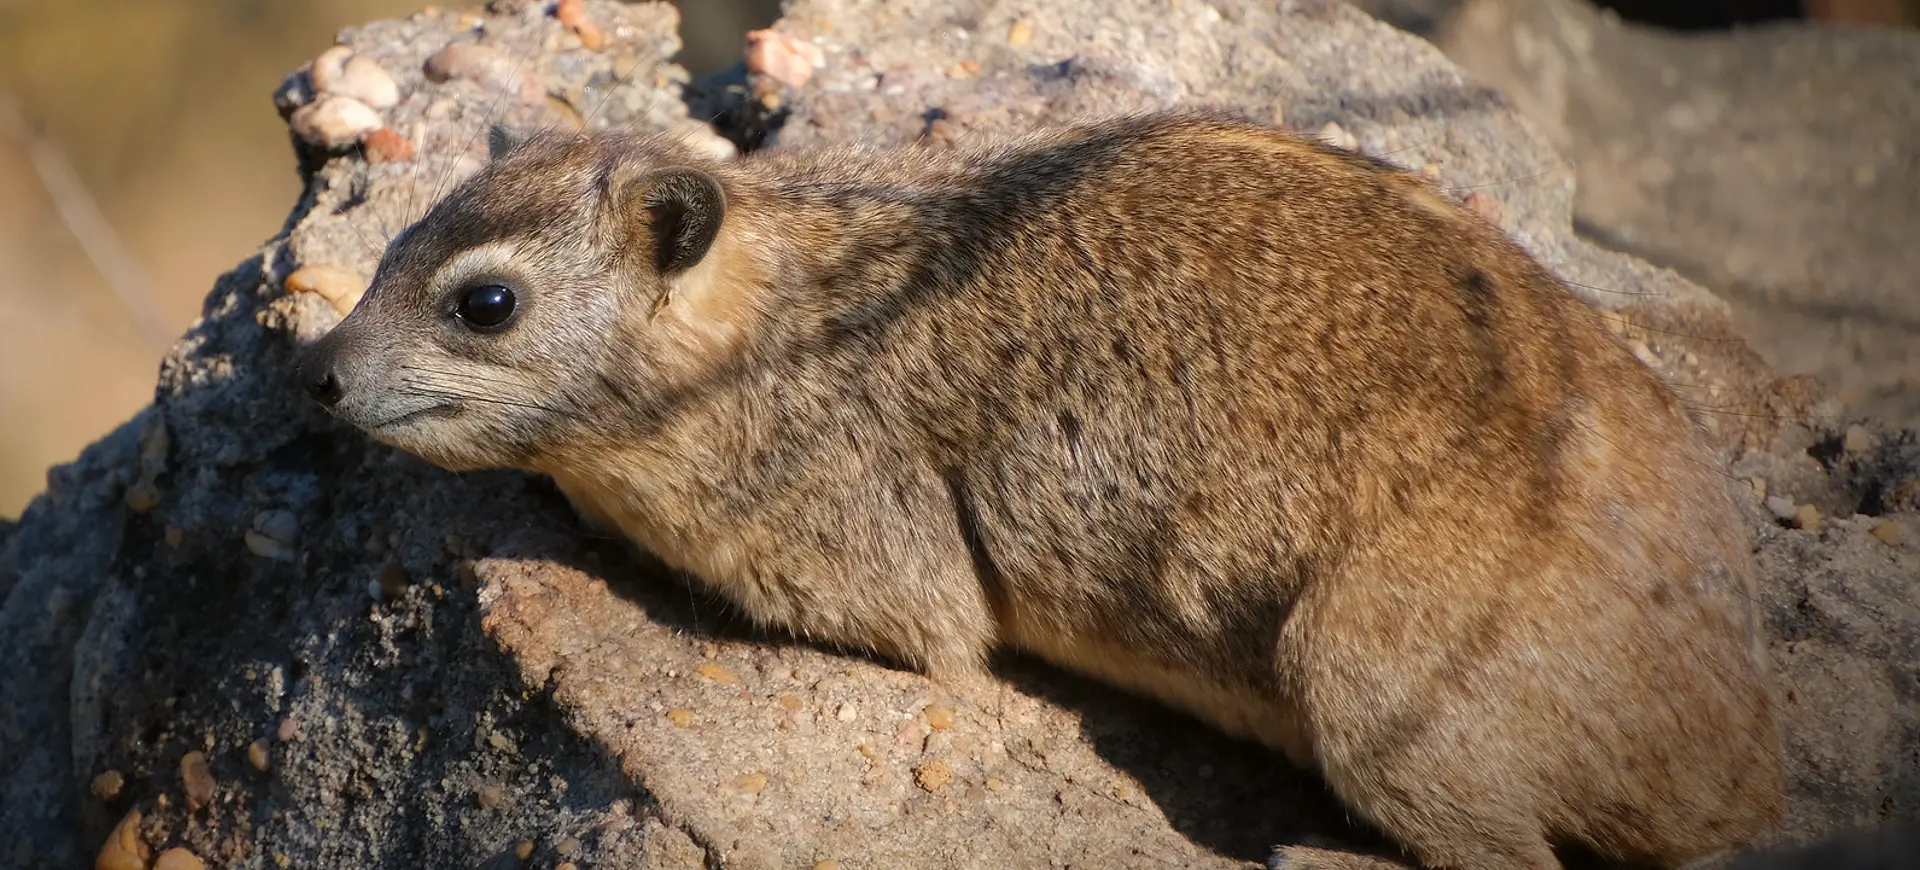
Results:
339 71
334 122
1776 165
785 59
488 67
124 848
179 858
197 778
129 639
341 288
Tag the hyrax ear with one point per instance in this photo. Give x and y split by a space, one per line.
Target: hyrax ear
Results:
680 208
501 140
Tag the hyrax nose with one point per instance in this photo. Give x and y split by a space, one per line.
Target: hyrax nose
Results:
318 376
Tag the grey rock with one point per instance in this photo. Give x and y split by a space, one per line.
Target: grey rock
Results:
517 679
1778 165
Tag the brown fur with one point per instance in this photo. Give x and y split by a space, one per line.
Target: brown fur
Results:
1263 428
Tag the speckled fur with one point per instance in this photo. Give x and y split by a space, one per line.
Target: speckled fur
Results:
1265 429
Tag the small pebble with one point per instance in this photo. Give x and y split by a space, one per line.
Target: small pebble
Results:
107 785
573 16
1858 439
1337 136
484 66
179 858
393 581
680 716
846 712
334 122
701 137
828 864
1807 518
932 775
751 783
257 755
782 58
341 72
524 850
280 525
1888 532
491 796
567 848
142 496
289 730
566 865
939 717
1484 205
328 68
174 537
198 779
996 784
717 674
265 547
124 850
1783 509
790 702
1759 485
965 69
386 145
342 289
1020 33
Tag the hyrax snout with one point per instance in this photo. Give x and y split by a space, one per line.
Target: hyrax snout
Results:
1265 429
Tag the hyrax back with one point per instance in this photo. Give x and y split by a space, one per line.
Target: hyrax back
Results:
1262 428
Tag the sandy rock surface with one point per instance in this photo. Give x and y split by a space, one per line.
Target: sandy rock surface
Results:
384 665
1779 166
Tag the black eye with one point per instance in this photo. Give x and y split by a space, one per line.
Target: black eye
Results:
486 306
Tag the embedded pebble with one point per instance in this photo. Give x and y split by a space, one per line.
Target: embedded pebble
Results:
365 80
996 784
394 581
1807 517
386 145
1783 509
257 755
751 783
342 289
846 713
717 674
1484 205
524 850
179 858
289 730
334 122
573 16
790 702
107 785
124 850
939 717
491 796
701 137
1020 33
567 848
932 775
1337 136
198 779
1888 532
329 67
828 864
1858 439
680 716
484 66
782 58
142 495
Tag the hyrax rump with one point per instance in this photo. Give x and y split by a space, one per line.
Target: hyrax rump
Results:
1259 427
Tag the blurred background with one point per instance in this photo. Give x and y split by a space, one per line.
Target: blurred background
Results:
140 157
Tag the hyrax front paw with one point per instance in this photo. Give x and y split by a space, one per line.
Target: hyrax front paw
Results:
1320 853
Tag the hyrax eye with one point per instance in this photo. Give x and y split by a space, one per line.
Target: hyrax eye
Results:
486 306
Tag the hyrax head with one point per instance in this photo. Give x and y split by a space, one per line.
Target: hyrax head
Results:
515 316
